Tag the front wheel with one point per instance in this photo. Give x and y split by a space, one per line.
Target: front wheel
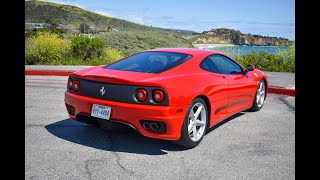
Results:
259 97
195 124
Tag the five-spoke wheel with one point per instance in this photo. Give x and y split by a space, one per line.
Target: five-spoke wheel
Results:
259 97
195 124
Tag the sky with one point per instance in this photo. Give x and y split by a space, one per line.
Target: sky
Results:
274 18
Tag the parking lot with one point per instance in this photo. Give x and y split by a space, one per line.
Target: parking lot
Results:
249 145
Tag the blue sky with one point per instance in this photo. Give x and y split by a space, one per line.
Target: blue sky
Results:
267 17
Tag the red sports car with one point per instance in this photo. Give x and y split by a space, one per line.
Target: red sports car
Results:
168 93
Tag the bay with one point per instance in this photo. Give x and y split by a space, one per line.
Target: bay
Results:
240 50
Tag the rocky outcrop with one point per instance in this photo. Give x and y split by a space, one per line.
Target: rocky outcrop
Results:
231 36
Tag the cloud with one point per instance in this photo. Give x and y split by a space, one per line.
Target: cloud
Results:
67 2
278 29
62 1
136 19
102 13
146 9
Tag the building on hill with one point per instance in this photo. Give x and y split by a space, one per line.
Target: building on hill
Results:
36 26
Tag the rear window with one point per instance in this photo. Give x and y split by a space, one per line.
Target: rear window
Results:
150 62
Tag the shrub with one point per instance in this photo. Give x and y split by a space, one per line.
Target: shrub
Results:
34 32
85 48
45 48
111 55
282 61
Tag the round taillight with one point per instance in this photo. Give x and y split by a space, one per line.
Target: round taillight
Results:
158 96
76 85
70 83
141 95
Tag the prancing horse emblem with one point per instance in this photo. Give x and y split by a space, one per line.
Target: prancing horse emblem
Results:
102 91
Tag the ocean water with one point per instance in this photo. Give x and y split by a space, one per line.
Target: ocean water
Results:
239 50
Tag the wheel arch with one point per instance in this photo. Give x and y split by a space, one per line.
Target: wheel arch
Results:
267 85
207 101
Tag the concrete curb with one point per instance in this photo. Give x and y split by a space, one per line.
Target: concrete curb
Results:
271 89
48 72
282 90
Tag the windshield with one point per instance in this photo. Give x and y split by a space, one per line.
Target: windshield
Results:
150 62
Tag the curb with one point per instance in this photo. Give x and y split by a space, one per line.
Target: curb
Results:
281 90
271 89
48 72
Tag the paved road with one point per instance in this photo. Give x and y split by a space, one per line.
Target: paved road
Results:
280 79
250 145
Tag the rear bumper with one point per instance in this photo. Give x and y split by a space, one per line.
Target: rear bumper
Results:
132 114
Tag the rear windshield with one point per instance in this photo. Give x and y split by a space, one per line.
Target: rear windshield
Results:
150 62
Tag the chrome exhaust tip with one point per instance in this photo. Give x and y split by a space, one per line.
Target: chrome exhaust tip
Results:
146 125
154 126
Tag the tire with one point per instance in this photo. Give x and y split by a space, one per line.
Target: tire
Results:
198 126
259 96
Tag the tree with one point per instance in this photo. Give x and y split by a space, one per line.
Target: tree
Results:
84 27
109 28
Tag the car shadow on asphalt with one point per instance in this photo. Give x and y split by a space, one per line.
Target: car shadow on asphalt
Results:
121 138
225 121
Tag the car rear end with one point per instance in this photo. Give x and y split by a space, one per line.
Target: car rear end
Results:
144 108
107 95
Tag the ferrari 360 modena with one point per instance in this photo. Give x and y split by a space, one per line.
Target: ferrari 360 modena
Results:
172 94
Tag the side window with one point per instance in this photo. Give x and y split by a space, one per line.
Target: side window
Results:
207 65
225 65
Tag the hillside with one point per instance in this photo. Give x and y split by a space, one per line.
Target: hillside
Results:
71 17
231 36
130 42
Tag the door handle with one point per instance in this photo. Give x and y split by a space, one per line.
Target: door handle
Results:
224 77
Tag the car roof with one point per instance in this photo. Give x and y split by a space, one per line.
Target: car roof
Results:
191 51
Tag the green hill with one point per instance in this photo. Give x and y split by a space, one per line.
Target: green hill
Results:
130 42
71 17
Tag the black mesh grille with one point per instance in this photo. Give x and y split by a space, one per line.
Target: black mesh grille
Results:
71 109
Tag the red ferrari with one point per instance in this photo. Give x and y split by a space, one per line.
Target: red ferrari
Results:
168 93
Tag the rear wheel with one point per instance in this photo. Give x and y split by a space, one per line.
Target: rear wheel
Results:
195 124
260 96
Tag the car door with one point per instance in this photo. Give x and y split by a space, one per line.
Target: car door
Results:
238 83
217 91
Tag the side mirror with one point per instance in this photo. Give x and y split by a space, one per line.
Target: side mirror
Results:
250 67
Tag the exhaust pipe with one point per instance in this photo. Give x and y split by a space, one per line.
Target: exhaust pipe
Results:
154 126
146 125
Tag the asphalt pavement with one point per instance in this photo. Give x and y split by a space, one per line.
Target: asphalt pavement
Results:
249 145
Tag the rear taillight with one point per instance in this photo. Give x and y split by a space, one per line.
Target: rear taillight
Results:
141 95
76 85
70 83
158 96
